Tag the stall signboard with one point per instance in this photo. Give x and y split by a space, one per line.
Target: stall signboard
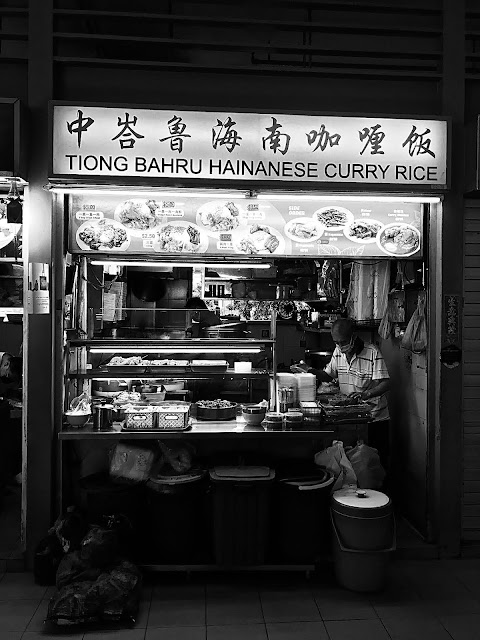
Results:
184 145
233 226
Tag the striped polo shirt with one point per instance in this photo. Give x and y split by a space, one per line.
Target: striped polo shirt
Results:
364 367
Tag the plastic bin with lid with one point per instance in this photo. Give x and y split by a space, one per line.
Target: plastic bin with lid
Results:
241 510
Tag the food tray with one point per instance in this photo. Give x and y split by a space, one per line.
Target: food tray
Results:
133 370
173 416
212 366
347 413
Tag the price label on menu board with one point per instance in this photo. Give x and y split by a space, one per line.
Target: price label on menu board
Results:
89 215
239 227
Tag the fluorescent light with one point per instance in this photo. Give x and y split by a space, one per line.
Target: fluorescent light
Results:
179 349
227 265
349 198
181 193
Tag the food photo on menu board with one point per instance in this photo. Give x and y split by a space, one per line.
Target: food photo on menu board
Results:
182 224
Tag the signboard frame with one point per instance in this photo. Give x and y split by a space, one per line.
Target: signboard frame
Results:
241 183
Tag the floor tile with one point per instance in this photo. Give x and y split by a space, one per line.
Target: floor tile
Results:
337 604
15 615
183 607
20 586
176 633
427 628
296 631
38 618
455 604
10 635
357 630
240 609
463 627
237 632
293 606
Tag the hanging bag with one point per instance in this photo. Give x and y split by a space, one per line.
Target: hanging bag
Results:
415 337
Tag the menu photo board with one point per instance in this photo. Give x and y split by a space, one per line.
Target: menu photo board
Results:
183 225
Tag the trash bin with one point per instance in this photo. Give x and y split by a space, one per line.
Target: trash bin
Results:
363 517
100 496
301 530
176 513
241 511
363 536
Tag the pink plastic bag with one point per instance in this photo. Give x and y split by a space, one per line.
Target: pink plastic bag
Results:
335 460
366 465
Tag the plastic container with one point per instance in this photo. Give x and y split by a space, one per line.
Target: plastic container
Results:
364 518
273 421
293 420
301 514
241 509
242 367
177 529
361 571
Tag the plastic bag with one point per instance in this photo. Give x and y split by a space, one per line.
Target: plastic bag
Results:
81 404
386 325
132 463
335 460
415 337
65 535
366 464
95 595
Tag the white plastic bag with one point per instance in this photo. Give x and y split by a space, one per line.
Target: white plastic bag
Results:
335 460
415 337
366 464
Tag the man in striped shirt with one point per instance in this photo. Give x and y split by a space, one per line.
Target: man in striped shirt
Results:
361 372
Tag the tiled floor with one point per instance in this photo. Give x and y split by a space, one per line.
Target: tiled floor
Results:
425 600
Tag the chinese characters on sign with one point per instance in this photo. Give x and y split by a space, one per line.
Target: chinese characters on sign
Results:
452 318
249 146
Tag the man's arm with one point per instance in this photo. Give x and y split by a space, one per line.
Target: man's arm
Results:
322 376
381 387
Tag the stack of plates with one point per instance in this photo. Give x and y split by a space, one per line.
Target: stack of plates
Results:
306 386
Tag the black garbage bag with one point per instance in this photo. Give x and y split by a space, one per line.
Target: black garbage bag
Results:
112 596
94 585
64 536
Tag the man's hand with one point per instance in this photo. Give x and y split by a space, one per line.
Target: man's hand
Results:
364 395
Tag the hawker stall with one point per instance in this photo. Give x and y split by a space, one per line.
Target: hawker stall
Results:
198 319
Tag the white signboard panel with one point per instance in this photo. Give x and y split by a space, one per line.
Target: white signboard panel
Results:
184 145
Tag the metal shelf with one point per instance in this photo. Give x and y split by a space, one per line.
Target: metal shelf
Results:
200 429
180 375
119 343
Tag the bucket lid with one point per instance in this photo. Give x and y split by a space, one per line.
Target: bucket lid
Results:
242 473
184 478
361 498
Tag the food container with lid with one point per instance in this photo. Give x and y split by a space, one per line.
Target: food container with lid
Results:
293 420
273 421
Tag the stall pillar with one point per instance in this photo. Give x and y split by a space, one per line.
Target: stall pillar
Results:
38 424
447 445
